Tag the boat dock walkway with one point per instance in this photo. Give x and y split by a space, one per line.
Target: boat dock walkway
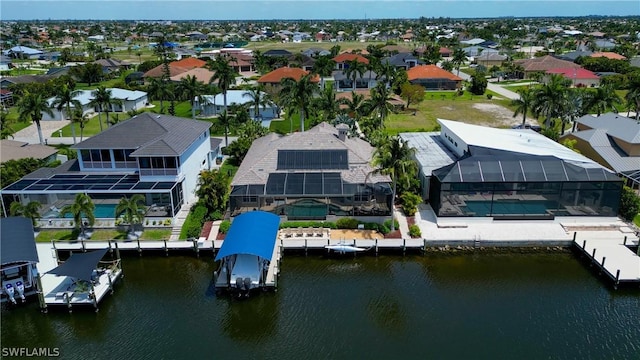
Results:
137 245
612 256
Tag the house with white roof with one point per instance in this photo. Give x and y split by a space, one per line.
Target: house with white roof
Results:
131 100
210 105
476 171
23 52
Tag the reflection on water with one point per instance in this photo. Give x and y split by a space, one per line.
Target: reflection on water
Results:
528 306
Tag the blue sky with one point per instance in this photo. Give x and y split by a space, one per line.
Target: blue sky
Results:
304 9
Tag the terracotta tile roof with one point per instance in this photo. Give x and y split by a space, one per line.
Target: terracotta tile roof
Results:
189 63
609 55
430 72
545 63
285 72
444 50
202 74
158 71
350 57
574 73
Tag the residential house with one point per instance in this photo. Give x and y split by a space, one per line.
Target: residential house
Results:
544 64
112 65
368 80
157 156
201 74
277 52
604 44
446 53
131 100
472 42
316 174
16 150
476 171
6 98
7 81
431 77
473 51
403 60
612 141
490 59
95 38
302 61
574 55
274 77
181 53
175 67
608 55
342 60
210 105
58 71
322 36
579 77
196 36
315 52
23 52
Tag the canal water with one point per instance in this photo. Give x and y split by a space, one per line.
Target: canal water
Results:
471 306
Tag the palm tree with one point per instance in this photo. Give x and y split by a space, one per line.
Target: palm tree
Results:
549 98
5 125
394 158
257 98
523 104
190 88
31 210
356 105
79 117
225 119
633 97
298 94
132 210
65 98
30 107
355 68
328 104
224 74
323 66
82 207
459 57
159 89
379 102
604 99
103 100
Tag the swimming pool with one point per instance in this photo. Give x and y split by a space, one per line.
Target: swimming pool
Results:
101 211
485 208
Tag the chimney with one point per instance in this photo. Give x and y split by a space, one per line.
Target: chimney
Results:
343 129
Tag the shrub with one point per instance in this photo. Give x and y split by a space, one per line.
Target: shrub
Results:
410 202
489 96
224 226
387 223
193 223
629 204
153 223
146 222
384 229
414 231
371 226
347 223
167 222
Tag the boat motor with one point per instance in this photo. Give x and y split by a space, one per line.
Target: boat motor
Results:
239 283
8 288
20 289
247 286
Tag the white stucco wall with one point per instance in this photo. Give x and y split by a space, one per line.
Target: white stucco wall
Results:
453 141
192 163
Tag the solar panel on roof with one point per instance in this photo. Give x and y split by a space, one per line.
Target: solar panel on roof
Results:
312 159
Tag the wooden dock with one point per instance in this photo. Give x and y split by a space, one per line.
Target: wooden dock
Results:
196 245
613 258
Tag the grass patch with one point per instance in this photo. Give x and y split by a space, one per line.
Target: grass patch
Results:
183 108
287 125
92 127
636 220
229 168
101 234
14 122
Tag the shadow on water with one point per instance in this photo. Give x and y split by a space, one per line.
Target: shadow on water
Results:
252 320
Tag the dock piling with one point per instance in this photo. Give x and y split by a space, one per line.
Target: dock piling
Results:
575 233
84 248
139 248
625 240
166 249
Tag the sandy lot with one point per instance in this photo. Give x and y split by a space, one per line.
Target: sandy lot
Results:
346 234
503 116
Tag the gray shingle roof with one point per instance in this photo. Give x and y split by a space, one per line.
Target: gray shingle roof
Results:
401 59
602 144
150 134
262 158
617 126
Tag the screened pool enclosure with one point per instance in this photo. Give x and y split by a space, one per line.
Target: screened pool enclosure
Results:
311 195
517 185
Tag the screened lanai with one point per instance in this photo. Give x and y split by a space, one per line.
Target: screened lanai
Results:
312 195
520 185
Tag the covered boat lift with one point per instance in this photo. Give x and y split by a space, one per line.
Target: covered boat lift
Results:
249 258
18 260
81 280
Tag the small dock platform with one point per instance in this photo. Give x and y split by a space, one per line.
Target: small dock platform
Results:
139 246
613 257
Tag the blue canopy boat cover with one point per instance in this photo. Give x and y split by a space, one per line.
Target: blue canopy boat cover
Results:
80 266
17 242
252 233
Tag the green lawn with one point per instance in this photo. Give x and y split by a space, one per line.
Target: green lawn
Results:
229 168
183 108
286 126
102 234
16 124
636 220
92 127
106 83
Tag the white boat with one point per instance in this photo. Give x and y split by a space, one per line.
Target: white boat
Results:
344 248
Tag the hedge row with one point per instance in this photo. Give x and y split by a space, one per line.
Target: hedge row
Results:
343 223
193 223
